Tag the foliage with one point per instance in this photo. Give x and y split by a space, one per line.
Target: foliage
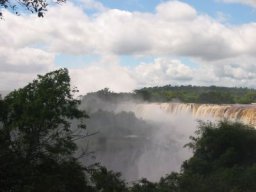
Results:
186 94
144 185
107 181
197 94
36 140
224 159
33 6
170 183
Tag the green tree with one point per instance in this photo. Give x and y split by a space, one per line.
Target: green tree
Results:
216 97
170 183
144 185
33 6
224 159
107 181
37 143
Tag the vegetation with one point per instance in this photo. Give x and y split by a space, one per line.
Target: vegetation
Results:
38 148
186 94
36 142
33 6
223 160
197 94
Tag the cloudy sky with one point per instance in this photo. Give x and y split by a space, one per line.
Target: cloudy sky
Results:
124 45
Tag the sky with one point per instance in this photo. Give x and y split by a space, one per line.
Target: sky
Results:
126 45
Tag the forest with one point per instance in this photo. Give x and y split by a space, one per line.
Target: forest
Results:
39 152
185 94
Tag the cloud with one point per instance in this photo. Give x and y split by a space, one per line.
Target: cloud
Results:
21 66
122 79
107 72
225 54
94 78
246 2
175 10
25 60
93 4
14 80
162 71
238 72
20 63
174 29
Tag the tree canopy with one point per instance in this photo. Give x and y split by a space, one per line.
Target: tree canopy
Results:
224 160
36 140
198 94
33 6
183 93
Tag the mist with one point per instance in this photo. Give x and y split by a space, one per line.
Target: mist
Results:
138 139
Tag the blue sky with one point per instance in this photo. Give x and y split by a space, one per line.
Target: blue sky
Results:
236 13
229 13
125 45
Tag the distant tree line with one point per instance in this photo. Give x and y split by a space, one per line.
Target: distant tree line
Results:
186 94
198 94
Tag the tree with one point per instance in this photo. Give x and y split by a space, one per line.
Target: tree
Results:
224 159
107 181
34 6
37 143
144 185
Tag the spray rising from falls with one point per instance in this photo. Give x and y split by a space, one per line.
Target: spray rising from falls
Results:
147 139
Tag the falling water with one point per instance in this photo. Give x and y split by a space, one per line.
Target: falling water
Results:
147 139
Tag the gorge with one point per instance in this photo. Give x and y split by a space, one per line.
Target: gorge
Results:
142 139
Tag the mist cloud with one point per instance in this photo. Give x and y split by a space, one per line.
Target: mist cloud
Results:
139 140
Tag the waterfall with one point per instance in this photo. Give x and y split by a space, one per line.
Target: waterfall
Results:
236 112
147 139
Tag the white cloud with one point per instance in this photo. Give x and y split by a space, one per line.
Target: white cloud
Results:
122 79
247 2
13 80
175 29
26 60
96 77
162 71
20 63
20 66
225 53
93 4
175 10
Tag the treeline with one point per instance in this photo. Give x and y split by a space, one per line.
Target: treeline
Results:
186 94
198 94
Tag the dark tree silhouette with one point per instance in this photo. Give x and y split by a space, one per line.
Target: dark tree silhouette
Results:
33 6
37 143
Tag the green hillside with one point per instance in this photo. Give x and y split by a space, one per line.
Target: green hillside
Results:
184 93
